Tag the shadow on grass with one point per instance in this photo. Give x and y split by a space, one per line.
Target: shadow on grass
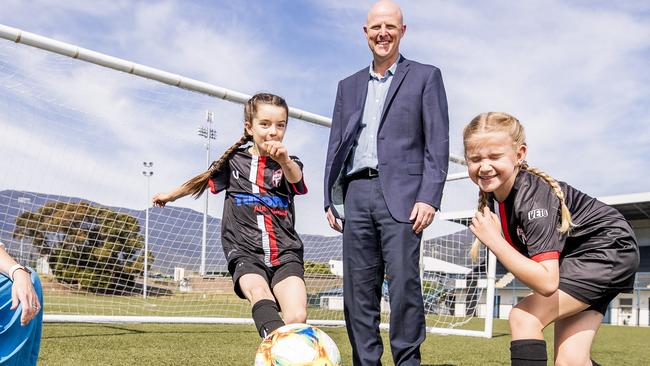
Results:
120 331
499 335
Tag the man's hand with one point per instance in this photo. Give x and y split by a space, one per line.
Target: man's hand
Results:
422 216
333 221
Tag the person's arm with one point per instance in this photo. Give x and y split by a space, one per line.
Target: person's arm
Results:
542 277
335 137
435 119
22 291
161 199
278 152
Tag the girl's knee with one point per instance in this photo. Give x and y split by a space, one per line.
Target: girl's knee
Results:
572 358
523 320
295 316
257 293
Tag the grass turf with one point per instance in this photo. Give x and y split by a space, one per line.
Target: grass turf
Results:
231 345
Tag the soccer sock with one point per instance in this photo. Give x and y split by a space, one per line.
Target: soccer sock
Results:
594 363
266 315
528 352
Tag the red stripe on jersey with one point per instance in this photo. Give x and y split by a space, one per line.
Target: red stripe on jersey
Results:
259 180
504 224
546 256
297 191
273 244
212 188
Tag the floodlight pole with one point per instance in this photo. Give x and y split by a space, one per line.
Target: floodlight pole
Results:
22 201
209 134
147 174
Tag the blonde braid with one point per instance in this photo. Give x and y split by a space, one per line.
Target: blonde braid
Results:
197 185
566 223
476 245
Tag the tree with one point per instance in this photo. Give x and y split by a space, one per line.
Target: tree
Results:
317 268
95 248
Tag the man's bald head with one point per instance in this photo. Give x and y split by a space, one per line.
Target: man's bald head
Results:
384 29
385 7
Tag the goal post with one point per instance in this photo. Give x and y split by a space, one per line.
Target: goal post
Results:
72 178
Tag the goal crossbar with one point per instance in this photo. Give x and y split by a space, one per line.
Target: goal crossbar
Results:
66 49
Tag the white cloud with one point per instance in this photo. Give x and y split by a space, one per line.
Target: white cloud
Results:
575 74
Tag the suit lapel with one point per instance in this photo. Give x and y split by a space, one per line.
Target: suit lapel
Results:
402 70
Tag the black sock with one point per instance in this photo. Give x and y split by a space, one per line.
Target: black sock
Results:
528 352
594 363
267 317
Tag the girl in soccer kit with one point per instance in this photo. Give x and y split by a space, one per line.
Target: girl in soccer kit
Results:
262 247
573 251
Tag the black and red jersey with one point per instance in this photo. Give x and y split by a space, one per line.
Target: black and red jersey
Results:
258 214
530 217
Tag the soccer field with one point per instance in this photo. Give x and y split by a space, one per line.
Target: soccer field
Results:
169 344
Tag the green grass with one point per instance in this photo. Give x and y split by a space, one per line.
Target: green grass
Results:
231 345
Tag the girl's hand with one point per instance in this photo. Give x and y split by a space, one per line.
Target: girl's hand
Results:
486 226
161 199
277 151
22 292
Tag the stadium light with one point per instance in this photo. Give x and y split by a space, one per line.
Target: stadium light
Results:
208 134
147 174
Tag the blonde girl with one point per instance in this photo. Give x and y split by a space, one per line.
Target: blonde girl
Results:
574 252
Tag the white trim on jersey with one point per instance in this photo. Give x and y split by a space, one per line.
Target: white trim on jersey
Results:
252 175
266 246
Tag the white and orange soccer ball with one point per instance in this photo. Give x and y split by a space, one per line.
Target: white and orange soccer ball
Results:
298 345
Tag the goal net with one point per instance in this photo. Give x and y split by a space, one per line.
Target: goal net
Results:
85 147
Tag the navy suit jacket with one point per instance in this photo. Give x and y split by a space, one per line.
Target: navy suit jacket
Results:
412 142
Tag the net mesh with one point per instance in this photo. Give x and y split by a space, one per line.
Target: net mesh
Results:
74 194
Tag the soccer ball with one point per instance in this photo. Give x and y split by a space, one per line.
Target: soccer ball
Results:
298 345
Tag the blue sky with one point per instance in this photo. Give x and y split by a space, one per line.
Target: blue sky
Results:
574 72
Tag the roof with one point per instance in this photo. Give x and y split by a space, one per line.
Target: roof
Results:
633 206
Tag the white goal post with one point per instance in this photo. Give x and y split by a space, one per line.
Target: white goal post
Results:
96 260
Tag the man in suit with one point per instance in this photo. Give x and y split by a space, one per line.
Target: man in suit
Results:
387 163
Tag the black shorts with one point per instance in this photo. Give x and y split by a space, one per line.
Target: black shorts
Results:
597 277
273 275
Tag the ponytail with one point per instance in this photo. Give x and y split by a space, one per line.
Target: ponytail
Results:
197 185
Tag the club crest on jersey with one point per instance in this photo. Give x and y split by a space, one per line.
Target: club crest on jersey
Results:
537 213
276 178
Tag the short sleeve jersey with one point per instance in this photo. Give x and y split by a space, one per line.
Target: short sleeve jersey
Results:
258 214
532 218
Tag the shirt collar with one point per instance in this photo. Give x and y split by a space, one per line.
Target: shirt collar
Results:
389 72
